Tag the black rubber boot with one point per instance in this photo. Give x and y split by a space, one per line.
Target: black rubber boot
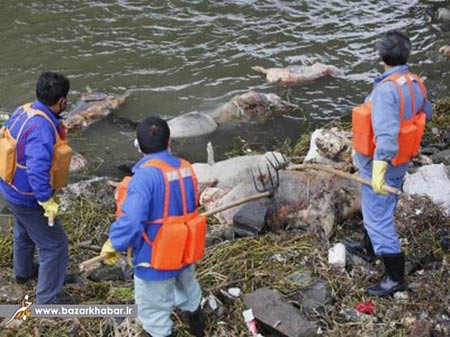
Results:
363 248
196 322
22 280
394 276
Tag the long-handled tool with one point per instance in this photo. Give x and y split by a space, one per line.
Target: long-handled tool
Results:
343 174
266 185
51 219
284 164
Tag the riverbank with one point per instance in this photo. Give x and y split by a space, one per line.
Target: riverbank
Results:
293 262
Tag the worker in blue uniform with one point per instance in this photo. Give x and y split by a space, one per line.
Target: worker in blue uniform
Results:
157 292
397 96
30 193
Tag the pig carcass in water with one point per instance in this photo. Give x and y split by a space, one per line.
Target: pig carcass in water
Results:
297 75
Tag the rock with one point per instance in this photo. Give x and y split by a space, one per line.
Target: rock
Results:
272 310
401 295
235 292
95 190
229 173
91 108
297 75
301 276
441 157
315 298
78 162
432 181
428 151
106 273
352 315
337 255
218 234
250 219
330 147
121 271
11 293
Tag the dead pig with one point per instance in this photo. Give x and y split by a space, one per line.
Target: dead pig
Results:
91 108
251 106
297 75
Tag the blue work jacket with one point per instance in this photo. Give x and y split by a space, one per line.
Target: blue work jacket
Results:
144 202
386 120
31 181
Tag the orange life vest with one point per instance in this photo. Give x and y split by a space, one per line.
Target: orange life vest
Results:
180 240
411 130
62 153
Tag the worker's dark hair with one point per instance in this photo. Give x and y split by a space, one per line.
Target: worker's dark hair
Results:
394 48
50 87
153 135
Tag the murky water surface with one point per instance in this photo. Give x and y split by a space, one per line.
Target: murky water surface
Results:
180 56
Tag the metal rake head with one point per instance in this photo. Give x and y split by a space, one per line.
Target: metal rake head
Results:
269 182
276 163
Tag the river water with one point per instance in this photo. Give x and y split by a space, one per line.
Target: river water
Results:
181 56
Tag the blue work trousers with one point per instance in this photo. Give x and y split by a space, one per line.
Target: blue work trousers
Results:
156 299
31 230
378 214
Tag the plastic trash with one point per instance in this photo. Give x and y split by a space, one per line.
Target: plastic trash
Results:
250 321
367 308
337 255
235 292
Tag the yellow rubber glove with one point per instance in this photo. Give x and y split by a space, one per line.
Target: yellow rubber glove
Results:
108 250
379 168
49 206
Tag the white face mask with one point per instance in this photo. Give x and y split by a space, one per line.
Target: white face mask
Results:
136 145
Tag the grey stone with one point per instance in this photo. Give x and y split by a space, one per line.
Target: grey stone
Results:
250 219
11 293
316 297
218 234
352 315
119 272
441 157
272 310
301 276
428 151
106 273
96 190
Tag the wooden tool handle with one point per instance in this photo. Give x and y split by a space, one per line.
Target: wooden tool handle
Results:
237 203
86 264
51 219
343 174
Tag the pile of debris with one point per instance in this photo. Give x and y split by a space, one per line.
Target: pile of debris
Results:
270 256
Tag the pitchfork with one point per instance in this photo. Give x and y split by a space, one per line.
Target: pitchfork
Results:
265 188
266 184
